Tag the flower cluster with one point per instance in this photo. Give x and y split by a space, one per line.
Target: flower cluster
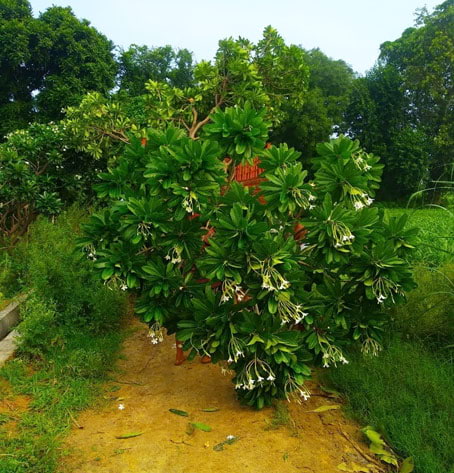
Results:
331 353
360 200
384 288
342 235
156 333
231 290
289 311
361 162
295 391
302 197
257 372
235 349
144 229
174 255
272 279
371 347
188 202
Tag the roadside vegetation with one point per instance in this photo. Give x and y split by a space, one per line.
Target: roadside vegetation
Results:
69 339
406 391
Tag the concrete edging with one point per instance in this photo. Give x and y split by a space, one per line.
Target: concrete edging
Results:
9 318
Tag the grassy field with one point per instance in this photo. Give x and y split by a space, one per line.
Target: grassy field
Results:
406 392
436 233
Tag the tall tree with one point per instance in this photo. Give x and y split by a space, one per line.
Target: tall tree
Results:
329 84
48 63
139 64
403 109
16 23
74 59
424 56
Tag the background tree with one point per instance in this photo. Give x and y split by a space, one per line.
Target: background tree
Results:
73 59
48 63
325 101
424 57
16 25
378 114
403 109
139 64
240 73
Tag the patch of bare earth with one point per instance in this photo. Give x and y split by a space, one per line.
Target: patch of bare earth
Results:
150 385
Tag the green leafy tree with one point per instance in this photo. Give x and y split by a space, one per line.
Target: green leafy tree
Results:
403 108
40 173
16 25
378 115
240 73
321 113
242 295
48 63
139 64
73 58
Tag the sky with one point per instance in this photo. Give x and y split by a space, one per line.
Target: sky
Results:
351 30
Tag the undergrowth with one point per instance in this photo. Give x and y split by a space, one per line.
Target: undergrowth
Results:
436 233
406 394
69 340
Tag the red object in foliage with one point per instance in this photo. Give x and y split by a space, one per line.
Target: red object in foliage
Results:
143 142
248 176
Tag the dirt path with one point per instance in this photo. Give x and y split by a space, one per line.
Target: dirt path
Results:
308 443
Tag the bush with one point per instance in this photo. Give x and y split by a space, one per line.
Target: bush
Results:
39 330
57 274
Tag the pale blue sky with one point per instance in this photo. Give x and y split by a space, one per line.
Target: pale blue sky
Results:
344 29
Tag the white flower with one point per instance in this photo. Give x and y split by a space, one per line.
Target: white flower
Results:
121 407
358 205
369 201
167 257
230 437
311 197
230 360
270 378
123 287
303 246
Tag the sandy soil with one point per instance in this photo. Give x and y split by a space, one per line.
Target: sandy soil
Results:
148 385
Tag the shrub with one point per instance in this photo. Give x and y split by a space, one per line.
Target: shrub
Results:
59 275
239 297
39 331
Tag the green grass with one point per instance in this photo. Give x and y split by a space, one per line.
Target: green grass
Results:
436 233
406 394
428 315
69 340
59 387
